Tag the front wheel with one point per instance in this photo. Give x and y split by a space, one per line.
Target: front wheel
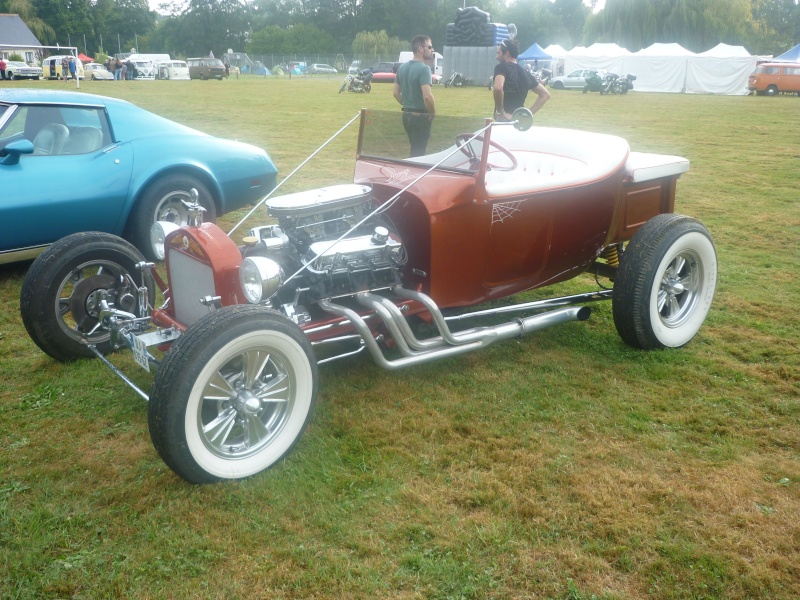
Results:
233 395
61 293
772 90
665 283
164 200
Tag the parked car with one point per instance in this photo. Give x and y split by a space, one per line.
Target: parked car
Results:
97 72
771 79
174 70
317 69
384 72
206 68
350 268
354 67
575 80
143 167
16 69
51 67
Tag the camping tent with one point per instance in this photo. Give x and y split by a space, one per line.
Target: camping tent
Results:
792 55
535 52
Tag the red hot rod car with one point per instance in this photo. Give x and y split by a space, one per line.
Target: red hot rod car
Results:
492 210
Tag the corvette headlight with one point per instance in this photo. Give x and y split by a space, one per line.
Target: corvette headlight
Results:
158 234
260 278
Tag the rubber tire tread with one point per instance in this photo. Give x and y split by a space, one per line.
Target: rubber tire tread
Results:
174 379
635 277
49 270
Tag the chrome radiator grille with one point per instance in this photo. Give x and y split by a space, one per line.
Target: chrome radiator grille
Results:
189 281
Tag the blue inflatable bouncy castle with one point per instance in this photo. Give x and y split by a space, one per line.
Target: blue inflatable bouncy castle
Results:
470 43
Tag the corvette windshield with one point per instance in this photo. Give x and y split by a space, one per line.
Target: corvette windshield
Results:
384 137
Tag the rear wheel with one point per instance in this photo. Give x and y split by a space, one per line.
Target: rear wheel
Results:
665 284
233 395
61 293
367 88
772 90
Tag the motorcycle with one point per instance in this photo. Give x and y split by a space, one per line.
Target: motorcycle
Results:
358 83
543 76
457 80
623 84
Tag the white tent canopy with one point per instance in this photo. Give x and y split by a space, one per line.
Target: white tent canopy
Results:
723 69
555 51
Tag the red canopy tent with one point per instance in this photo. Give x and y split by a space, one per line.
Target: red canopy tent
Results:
84 59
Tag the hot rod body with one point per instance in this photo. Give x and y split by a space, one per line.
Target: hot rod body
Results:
490 211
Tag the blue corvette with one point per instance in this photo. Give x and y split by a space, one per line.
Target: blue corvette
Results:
142 167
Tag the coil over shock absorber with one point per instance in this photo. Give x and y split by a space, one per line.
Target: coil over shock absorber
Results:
611 255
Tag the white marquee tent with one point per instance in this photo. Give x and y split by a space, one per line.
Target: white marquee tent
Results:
670 67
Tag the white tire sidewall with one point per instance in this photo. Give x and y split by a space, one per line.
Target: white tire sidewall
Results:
297 361
673 337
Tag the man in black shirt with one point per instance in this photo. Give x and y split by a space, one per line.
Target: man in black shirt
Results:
511 83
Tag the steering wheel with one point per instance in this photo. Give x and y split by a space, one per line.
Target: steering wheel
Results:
465 147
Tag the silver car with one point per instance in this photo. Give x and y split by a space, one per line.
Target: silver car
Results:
574 81
322 68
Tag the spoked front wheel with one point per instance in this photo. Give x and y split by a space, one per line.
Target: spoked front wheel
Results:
233 395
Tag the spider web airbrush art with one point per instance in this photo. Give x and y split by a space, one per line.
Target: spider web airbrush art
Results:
504 210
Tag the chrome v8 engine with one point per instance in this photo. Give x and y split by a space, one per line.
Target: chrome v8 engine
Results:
325 246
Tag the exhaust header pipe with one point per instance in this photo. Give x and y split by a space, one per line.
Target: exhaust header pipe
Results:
415 351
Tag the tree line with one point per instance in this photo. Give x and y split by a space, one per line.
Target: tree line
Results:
196 27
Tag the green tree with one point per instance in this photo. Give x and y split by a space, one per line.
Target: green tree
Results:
27 12
379 42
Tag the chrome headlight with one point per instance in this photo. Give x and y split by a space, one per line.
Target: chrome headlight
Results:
158 234
260 278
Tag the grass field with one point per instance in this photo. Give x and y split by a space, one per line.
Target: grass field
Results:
562 465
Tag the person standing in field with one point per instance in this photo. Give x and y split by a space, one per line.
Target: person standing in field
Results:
412 89
512 83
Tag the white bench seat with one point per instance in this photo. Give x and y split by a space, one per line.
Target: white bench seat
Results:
551 158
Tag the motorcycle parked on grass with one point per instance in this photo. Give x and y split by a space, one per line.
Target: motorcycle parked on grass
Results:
457 80
623 84
358 83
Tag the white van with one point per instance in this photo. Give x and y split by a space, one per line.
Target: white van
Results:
173 69
435 64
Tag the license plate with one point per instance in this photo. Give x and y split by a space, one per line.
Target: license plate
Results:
140 353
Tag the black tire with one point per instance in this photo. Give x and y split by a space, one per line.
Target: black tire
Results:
10 75
367 88
163 201
558 85
665 283
344 86
59 294
233 395
772 90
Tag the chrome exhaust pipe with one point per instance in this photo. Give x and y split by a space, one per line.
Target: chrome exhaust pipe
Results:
440 347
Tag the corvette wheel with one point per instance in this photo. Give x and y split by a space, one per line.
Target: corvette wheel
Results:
164 201
233 394
665 284
61 293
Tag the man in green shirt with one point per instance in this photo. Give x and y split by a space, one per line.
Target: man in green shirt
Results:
412 89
